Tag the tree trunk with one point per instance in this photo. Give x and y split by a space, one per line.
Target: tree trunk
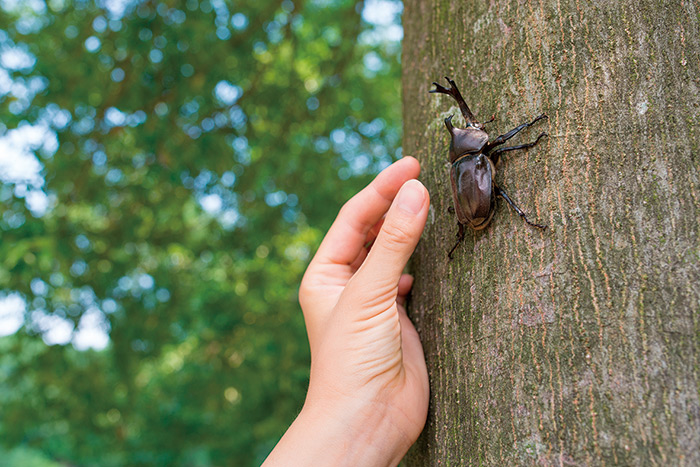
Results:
580 344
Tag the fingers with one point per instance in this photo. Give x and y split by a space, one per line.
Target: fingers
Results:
369 240
373 232
405 284
348 234
395 243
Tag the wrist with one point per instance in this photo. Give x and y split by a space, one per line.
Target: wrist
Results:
355 432
341 433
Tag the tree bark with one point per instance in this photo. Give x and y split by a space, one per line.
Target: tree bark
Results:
577 345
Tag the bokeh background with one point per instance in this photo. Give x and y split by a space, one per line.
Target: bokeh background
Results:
167 169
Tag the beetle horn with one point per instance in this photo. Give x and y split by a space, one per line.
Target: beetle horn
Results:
466 112
448 124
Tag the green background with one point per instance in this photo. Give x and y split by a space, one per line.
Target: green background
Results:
191 155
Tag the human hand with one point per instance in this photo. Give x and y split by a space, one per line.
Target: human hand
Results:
368 392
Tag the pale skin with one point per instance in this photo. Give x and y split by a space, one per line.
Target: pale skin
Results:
367 400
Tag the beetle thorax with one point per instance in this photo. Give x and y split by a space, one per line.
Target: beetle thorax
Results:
467 140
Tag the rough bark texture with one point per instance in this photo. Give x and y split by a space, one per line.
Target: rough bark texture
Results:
578 345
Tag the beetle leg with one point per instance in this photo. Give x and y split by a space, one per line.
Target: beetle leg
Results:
502 194
456 95
494 155
460 237
503 138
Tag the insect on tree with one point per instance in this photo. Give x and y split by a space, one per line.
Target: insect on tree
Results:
474 161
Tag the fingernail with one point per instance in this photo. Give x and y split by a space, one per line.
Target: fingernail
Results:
411 197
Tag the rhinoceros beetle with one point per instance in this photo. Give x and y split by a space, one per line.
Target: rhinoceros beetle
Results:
474 161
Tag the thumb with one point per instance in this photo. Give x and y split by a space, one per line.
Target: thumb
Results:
398 237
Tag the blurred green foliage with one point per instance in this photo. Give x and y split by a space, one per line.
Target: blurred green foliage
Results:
192 154
25 457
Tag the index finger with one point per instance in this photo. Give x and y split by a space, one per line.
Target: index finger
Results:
347 235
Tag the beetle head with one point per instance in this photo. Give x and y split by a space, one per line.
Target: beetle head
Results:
465 140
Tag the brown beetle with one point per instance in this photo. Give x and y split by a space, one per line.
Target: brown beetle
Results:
474 161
